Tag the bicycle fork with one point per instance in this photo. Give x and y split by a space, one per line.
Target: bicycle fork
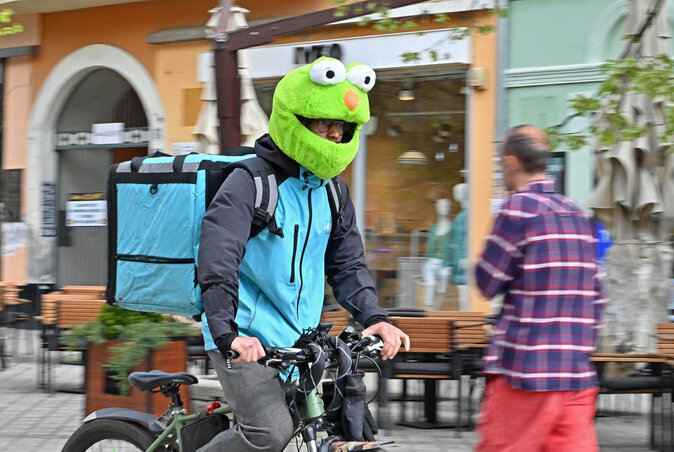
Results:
309 437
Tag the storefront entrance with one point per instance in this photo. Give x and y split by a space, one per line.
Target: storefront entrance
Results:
103 122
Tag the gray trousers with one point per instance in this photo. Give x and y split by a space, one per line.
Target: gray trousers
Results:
257 399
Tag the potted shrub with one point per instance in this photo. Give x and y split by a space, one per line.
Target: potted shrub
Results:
121 341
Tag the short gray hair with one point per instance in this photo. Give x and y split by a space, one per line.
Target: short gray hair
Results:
530 145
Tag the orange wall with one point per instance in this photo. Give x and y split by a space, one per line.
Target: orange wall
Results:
18 92
482 138
125 26
175 73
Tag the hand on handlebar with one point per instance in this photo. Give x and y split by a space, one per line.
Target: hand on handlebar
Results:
250 349
393 338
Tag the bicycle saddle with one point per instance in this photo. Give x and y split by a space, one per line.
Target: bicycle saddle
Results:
155 378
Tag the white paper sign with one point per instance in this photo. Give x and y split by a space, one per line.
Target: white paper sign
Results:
107 133
86 209
184 147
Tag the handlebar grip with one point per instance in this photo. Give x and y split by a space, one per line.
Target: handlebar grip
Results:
232 354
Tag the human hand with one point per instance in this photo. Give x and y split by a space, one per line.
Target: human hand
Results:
250 349
392 337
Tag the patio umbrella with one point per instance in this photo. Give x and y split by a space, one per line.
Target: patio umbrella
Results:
254 122
633 198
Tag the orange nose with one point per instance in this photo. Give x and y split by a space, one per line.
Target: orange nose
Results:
351 99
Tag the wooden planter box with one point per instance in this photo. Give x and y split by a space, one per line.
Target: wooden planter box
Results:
101 391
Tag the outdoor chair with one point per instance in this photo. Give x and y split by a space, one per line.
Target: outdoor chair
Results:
61 311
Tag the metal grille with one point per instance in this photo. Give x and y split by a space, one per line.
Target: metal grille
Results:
102 96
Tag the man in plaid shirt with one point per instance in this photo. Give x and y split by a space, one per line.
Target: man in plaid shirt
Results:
541 386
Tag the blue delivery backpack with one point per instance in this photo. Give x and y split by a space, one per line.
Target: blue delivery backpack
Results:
155 207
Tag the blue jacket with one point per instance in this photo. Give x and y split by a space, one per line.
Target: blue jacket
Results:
272 287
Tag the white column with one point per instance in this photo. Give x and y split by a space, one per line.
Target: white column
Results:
359 175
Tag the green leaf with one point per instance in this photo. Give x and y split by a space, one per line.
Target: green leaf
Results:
440 18
500 12
581 104
485 29
408 57
340 11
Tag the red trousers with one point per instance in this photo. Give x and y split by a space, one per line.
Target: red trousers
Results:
532 421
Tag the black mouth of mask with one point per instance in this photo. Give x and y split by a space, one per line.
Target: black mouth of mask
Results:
349 127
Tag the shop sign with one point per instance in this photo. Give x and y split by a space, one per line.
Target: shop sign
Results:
378 52
7 27
86 209
107 133
308 54
48 209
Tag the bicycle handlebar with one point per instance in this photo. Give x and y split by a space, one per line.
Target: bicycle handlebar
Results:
283 357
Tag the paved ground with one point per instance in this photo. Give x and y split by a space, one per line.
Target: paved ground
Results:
33 420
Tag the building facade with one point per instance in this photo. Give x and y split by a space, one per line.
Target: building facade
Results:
555 50
127 80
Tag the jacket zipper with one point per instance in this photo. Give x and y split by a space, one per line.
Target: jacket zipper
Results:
304 248
154 259
292 263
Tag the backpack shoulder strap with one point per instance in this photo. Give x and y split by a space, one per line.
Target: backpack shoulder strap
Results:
336 191
266 194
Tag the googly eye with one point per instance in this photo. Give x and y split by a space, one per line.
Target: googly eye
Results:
327 72
362 76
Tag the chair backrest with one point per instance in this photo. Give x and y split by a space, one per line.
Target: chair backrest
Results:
665 334
70 309
95 292
9 293
427 334
463 329
339 318
469 332
49 309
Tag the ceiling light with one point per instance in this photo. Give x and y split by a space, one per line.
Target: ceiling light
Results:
406 94
412 157
407 91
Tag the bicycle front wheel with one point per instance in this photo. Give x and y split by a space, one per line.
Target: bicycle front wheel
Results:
107 435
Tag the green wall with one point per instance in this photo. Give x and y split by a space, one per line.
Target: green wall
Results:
554 49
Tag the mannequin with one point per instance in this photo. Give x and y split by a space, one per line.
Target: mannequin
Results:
458 246
436 270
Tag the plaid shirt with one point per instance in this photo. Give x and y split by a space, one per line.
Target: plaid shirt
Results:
541 255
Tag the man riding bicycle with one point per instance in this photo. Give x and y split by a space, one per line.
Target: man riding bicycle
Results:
268 288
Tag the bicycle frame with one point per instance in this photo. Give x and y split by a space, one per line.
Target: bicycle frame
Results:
312 408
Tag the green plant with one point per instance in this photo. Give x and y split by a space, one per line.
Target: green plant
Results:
138 333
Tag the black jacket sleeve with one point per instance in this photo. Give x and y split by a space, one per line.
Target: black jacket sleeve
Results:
225 229
346 269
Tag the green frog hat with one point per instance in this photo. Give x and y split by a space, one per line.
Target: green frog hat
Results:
323 89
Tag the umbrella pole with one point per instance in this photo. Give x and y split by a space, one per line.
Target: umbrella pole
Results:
228 84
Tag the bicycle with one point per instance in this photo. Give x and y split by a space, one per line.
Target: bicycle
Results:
121 429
